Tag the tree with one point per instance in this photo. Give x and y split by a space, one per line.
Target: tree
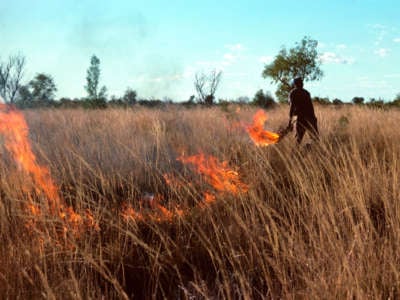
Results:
96 97
321 100
130 97
358 100
396 101
11 74
242 99
263 99
300 61
376 103
43 88
337 101
24 98
40 91
206 86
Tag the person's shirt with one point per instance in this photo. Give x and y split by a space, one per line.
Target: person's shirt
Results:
301 104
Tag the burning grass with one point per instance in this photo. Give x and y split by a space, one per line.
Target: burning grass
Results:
182 203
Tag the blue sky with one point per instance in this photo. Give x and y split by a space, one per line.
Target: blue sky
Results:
156 47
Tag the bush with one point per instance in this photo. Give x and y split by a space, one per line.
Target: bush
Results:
264 100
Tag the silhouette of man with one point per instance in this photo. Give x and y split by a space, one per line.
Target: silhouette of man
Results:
302 107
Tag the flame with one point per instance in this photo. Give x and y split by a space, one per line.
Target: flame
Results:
158 213
209 198
258 134
217 174
166 214
15 130
130 214
34 209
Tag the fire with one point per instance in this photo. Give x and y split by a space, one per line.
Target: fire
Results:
258 134
221 179
129 213
209 198
158 213
165 213
216 173
15 130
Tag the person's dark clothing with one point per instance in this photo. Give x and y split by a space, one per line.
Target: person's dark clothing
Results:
303 125
302 107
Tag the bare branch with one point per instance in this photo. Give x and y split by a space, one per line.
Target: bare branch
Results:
199 83
11 74
214 80
206 86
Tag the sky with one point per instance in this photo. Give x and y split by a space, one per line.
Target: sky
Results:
157 47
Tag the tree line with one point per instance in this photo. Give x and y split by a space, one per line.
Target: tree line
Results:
300 61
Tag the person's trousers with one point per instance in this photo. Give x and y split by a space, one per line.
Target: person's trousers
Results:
303 125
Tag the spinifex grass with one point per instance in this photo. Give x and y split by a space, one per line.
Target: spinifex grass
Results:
319 222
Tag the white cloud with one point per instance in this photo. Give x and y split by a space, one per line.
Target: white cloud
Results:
235 47
331 57
266 59
234 54
382 52
380 31
341 46
229 56
396 40
378 26
394 75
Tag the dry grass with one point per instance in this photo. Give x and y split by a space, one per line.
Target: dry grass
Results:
316 223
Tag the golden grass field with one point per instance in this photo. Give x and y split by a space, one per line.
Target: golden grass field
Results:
312 223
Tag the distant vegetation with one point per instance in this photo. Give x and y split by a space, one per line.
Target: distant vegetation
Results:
300 61
39 92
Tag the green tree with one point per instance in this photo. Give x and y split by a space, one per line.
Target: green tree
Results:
300 61
321 100
39 92
358 100
24 98
396 101
43 88
96 96
263 99
337 101
130 97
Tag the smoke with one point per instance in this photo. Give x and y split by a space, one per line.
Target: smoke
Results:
159 76
129 53
110 33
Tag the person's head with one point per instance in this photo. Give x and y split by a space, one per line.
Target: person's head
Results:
298 82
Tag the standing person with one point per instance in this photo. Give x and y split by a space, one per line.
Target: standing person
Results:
302 107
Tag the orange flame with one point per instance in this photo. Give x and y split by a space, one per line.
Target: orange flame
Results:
258 134
129 213
166 214
158 213
15 130
209 198
217 174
